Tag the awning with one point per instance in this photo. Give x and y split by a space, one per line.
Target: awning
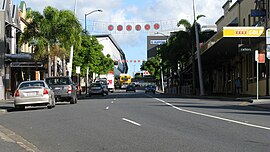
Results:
26 64
22 56
225 44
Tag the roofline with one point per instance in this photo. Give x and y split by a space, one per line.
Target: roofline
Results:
115 44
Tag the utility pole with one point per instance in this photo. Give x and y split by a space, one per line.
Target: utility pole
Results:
198 52
71 48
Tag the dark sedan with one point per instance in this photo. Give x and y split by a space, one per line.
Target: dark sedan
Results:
150 88
131 88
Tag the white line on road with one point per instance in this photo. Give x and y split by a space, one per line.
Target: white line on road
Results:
212 116
133 122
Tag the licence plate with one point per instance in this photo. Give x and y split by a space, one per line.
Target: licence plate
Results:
29 94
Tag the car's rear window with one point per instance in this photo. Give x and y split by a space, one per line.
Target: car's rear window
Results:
58 81
31 84
95 85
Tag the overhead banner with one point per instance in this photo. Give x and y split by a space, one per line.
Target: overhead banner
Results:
132 27
243 32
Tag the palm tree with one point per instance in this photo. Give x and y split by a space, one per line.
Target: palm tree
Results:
190 29
52 33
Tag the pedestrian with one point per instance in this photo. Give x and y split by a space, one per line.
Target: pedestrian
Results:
238 85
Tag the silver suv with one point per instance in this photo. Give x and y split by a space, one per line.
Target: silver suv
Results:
64 89
98 88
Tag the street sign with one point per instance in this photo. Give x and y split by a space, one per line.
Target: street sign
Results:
261 58
78 69
243 31
257 13
244 48
268 36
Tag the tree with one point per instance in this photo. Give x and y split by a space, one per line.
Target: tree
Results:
190 29
152 66
51 34
90 55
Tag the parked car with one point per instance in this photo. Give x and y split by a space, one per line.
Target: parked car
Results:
150 88
131 88
98 88
64 89
33 93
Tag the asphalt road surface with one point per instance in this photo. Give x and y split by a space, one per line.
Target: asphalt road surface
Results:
138 122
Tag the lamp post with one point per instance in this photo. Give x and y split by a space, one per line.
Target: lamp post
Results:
198 52
161 70
167 37
85 15
87 71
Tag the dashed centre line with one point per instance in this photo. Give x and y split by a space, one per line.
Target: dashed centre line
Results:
132 122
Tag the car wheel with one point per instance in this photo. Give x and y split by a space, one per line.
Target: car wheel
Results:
76 100
19 107
52 102
49 106
72 101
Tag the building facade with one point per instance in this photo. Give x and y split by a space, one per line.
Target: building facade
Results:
230 54
116 53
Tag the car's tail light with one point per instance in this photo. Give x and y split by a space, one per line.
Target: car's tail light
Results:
16 94
45 91
69 89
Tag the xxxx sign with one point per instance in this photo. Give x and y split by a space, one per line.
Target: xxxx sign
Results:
243 31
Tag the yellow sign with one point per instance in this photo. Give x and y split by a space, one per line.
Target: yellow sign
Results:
243 32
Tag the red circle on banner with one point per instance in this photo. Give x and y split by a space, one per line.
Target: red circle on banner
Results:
128 27
119 27
147 27
138 27
156 26
110 27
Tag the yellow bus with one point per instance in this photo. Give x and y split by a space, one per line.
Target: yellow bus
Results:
124 80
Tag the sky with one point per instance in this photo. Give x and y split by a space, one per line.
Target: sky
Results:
133 12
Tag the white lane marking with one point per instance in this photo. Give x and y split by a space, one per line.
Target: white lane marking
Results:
132 122
212 116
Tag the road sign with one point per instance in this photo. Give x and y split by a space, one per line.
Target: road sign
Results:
78 69
268 36
261 58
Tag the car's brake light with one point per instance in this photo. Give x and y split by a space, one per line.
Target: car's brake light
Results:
69 89
16 94
45 91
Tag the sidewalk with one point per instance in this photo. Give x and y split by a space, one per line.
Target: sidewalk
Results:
262 102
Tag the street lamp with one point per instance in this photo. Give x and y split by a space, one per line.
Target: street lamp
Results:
167 37
198 52
85 15
87 70
161 70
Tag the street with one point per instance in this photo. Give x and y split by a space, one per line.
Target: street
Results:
138 122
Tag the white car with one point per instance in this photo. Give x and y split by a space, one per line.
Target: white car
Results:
33 93
124 85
